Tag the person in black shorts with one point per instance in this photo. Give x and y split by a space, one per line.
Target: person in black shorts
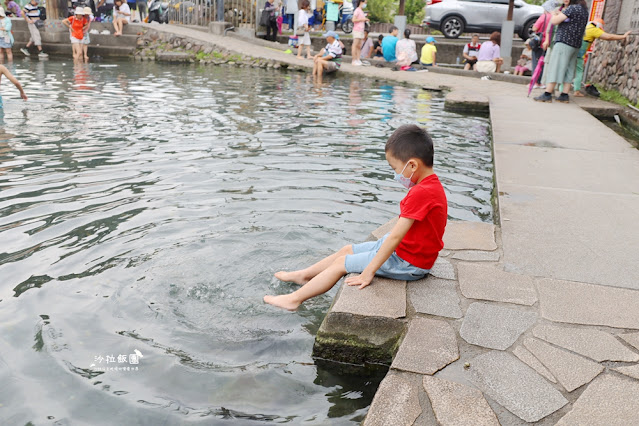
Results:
377 47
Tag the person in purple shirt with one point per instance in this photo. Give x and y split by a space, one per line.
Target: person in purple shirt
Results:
12 8
488 58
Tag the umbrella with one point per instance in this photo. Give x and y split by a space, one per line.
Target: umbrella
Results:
536 74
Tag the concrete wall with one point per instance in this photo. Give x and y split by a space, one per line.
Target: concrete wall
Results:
615 65
629 16
447 51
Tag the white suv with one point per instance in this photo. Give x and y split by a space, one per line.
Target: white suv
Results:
453 17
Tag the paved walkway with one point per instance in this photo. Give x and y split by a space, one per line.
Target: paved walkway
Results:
535 320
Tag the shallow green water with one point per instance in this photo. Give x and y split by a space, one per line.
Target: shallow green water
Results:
146 207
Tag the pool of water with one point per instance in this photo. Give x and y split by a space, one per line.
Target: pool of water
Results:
143 211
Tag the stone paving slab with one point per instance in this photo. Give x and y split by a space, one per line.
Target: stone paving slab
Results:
571 370
382 298
396 403
630 371
461 235
493 326
385 228
548 232
515 386
579 303
509 114
533 166
524 355
489 282
457 405
477 256
429 346
435 296
631 338
608 401
591 343
443 269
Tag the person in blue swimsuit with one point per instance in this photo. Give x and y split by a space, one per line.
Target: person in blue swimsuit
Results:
4 71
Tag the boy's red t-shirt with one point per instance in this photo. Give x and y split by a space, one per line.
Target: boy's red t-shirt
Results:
426 204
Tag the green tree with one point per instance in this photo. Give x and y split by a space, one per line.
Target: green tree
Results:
381 10
414 10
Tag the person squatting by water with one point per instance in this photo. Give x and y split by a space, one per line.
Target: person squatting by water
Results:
4 71
409 251
329 59
77 24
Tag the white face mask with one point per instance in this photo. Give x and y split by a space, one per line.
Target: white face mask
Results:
405 181
363 5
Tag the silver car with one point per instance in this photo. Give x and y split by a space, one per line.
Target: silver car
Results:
453 17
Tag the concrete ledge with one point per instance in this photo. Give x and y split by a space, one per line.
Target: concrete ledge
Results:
358 339
218 28
458 101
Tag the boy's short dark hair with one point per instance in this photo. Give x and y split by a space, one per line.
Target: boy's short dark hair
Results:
393 28
411 141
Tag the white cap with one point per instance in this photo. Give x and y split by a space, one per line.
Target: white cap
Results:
79 11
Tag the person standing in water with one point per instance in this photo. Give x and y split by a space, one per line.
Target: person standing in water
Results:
4 71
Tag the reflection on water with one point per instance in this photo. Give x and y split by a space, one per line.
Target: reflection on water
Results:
143 211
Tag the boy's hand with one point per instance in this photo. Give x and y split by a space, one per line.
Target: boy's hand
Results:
361 280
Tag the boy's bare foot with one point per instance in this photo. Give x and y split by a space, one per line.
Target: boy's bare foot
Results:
291 277
283 302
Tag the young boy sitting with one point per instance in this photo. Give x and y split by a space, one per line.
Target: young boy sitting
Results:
409 251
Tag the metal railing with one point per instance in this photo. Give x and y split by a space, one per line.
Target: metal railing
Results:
241 13
192 12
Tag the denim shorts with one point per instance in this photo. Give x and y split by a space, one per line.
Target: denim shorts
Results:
395 267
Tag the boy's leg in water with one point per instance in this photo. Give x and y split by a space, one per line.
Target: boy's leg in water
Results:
320 284
305 275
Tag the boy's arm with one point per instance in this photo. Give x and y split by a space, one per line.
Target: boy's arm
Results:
388 247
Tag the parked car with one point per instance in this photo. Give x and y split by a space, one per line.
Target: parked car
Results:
453 17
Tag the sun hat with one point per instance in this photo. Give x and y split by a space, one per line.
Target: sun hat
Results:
2 13
79 11
330 34
430 39
88 11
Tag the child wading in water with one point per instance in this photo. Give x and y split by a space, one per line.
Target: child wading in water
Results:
408 251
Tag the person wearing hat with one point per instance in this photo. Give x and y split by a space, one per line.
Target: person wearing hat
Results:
429 53
77 25
6 38
121 16
329 59
594 30
31 14
86 40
